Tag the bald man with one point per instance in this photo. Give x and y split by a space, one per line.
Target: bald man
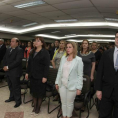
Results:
12 65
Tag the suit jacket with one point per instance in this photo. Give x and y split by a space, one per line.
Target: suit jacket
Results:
75 78
107 77
14 61
2 51
38 66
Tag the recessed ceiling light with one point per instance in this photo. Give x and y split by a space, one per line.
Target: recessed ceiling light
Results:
91 40
30 4
70 35
27 25
69 20
111 19
55 32
56 37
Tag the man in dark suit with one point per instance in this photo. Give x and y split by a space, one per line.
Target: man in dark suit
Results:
107 82
12 65
2 49
54 49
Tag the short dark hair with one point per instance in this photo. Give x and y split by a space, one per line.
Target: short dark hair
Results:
116 33
58 41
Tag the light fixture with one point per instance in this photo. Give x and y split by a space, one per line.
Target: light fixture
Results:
91 40
111 19
70 35
27 25
92 35
61 25
30 4
68 20
48 36
55 32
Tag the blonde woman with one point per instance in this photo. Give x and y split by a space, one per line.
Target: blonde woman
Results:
58 54
69 79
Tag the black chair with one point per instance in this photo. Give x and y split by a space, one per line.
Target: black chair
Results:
51 87
92 101
2 75
25 85
83 99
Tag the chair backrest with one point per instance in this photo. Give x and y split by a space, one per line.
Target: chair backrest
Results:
23 64
86 84
52 75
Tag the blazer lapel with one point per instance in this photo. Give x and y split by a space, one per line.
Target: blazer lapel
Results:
72 64
111 56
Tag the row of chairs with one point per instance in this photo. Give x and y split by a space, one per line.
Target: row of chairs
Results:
80 101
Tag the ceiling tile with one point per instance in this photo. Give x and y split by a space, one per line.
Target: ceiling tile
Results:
107 10
18 13
105 3
62 17
89 14
80 10
4 16
54 13
30 16
57 1
7 8
38 9
74 4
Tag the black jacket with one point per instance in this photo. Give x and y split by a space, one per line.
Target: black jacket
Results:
38 66
107 77
14 61
2 51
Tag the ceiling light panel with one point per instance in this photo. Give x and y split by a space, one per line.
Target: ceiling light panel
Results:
30 4
27 25
68 20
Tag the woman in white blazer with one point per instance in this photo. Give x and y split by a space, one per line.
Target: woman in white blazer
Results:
69 79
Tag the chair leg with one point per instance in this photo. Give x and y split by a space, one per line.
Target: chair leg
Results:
59 114
49 106
87 110
93 103
80 114
24 98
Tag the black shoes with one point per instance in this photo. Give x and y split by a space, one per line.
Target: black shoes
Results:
9 100
17 105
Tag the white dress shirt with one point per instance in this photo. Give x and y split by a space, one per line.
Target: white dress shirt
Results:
115 55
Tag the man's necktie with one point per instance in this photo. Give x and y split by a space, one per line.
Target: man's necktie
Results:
116 64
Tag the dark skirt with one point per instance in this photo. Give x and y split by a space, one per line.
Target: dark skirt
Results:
37 88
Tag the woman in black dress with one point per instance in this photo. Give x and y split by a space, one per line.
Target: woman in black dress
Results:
97 53
37 71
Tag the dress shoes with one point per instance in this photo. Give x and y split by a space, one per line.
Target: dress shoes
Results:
17 105
9 100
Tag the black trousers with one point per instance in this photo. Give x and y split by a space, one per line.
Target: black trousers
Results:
14 87
109 107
